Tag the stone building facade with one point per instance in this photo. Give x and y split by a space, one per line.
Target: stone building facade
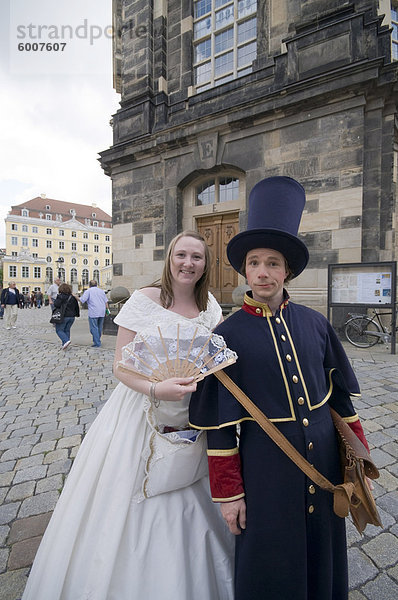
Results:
218 94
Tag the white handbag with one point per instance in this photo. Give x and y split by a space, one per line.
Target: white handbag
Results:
172 462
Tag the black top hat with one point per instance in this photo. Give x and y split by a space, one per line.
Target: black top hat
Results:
275 208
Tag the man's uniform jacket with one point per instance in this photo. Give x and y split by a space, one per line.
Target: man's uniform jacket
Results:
293 367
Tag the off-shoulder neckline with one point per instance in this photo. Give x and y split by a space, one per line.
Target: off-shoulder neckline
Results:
170 312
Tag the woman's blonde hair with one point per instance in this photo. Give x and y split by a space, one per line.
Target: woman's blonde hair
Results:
202 286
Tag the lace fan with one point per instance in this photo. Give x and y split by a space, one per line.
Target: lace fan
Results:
177 350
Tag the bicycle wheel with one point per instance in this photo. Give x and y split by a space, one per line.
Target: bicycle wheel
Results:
358 332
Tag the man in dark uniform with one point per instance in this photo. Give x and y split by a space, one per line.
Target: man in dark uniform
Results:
289 543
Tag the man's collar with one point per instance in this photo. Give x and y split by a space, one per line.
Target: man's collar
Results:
261 309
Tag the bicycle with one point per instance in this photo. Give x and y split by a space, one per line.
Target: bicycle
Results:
364 331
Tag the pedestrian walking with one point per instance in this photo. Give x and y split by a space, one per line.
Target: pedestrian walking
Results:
10 303
116 533
289 541
97 304
66 300
39 299
52 291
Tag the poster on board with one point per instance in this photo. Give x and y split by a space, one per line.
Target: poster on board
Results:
361 286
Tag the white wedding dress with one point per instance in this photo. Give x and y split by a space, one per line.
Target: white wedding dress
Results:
105 540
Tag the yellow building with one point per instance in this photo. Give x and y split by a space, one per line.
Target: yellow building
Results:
46 238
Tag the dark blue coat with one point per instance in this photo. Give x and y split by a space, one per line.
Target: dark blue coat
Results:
292 366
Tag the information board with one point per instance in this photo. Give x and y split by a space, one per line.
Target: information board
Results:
361 286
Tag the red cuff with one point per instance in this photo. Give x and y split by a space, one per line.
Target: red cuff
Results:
357 429
226 482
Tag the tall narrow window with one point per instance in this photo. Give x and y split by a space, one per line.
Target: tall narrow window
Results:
394 24
225 34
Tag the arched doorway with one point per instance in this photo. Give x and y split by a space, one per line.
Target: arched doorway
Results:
212 203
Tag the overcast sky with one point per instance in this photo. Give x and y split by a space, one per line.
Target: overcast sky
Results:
55 101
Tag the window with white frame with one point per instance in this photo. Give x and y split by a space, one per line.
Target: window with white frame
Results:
74 246
25 228
49 274
49 231
96 248
85 236
49 259
85 276
35 229
14 253
25 212
107 262
14 241
35 243
96 236
12 271
107 238
49 243
95 223
96 262
49 217
96 275
85 261
25 272
24 241
73 261
61 245
225 34
217 189
61 232
85 247
74 234
107 249
73 275
14 227
37 272
394 25
61 274
35 255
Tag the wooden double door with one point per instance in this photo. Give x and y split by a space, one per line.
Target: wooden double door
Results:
217 230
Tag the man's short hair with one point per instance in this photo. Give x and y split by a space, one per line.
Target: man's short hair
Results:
92 283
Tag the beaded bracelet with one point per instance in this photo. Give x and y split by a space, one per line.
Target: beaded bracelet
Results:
152 396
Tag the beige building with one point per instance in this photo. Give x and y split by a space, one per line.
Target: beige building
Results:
46 238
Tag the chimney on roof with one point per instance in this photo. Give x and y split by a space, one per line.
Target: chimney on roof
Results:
43 196
94 205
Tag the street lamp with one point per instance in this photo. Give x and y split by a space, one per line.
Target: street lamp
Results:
59 262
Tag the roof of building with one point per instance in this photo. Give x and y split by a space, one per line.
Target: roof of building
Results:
82 211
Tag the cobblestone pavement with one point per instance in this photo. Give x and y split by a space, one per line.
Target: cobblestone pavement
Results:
49 397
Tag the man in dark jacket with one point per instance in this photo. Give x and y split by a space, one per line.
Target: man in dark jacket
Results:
10 302
290 543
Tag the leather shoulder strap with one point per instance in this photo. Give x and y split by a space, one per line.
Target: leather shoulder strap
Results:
274 433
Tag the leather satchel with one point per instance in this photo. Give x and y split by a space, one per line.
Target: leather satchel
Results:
353 495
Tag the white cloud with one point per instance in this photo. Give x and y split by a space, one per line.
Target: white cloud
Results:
52 128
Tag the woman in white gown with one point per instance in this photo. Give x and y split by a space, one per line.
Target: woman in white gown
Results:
107 540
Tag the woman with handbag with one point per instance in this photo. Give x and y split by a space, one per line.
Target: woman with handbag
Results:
69 307
133 521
